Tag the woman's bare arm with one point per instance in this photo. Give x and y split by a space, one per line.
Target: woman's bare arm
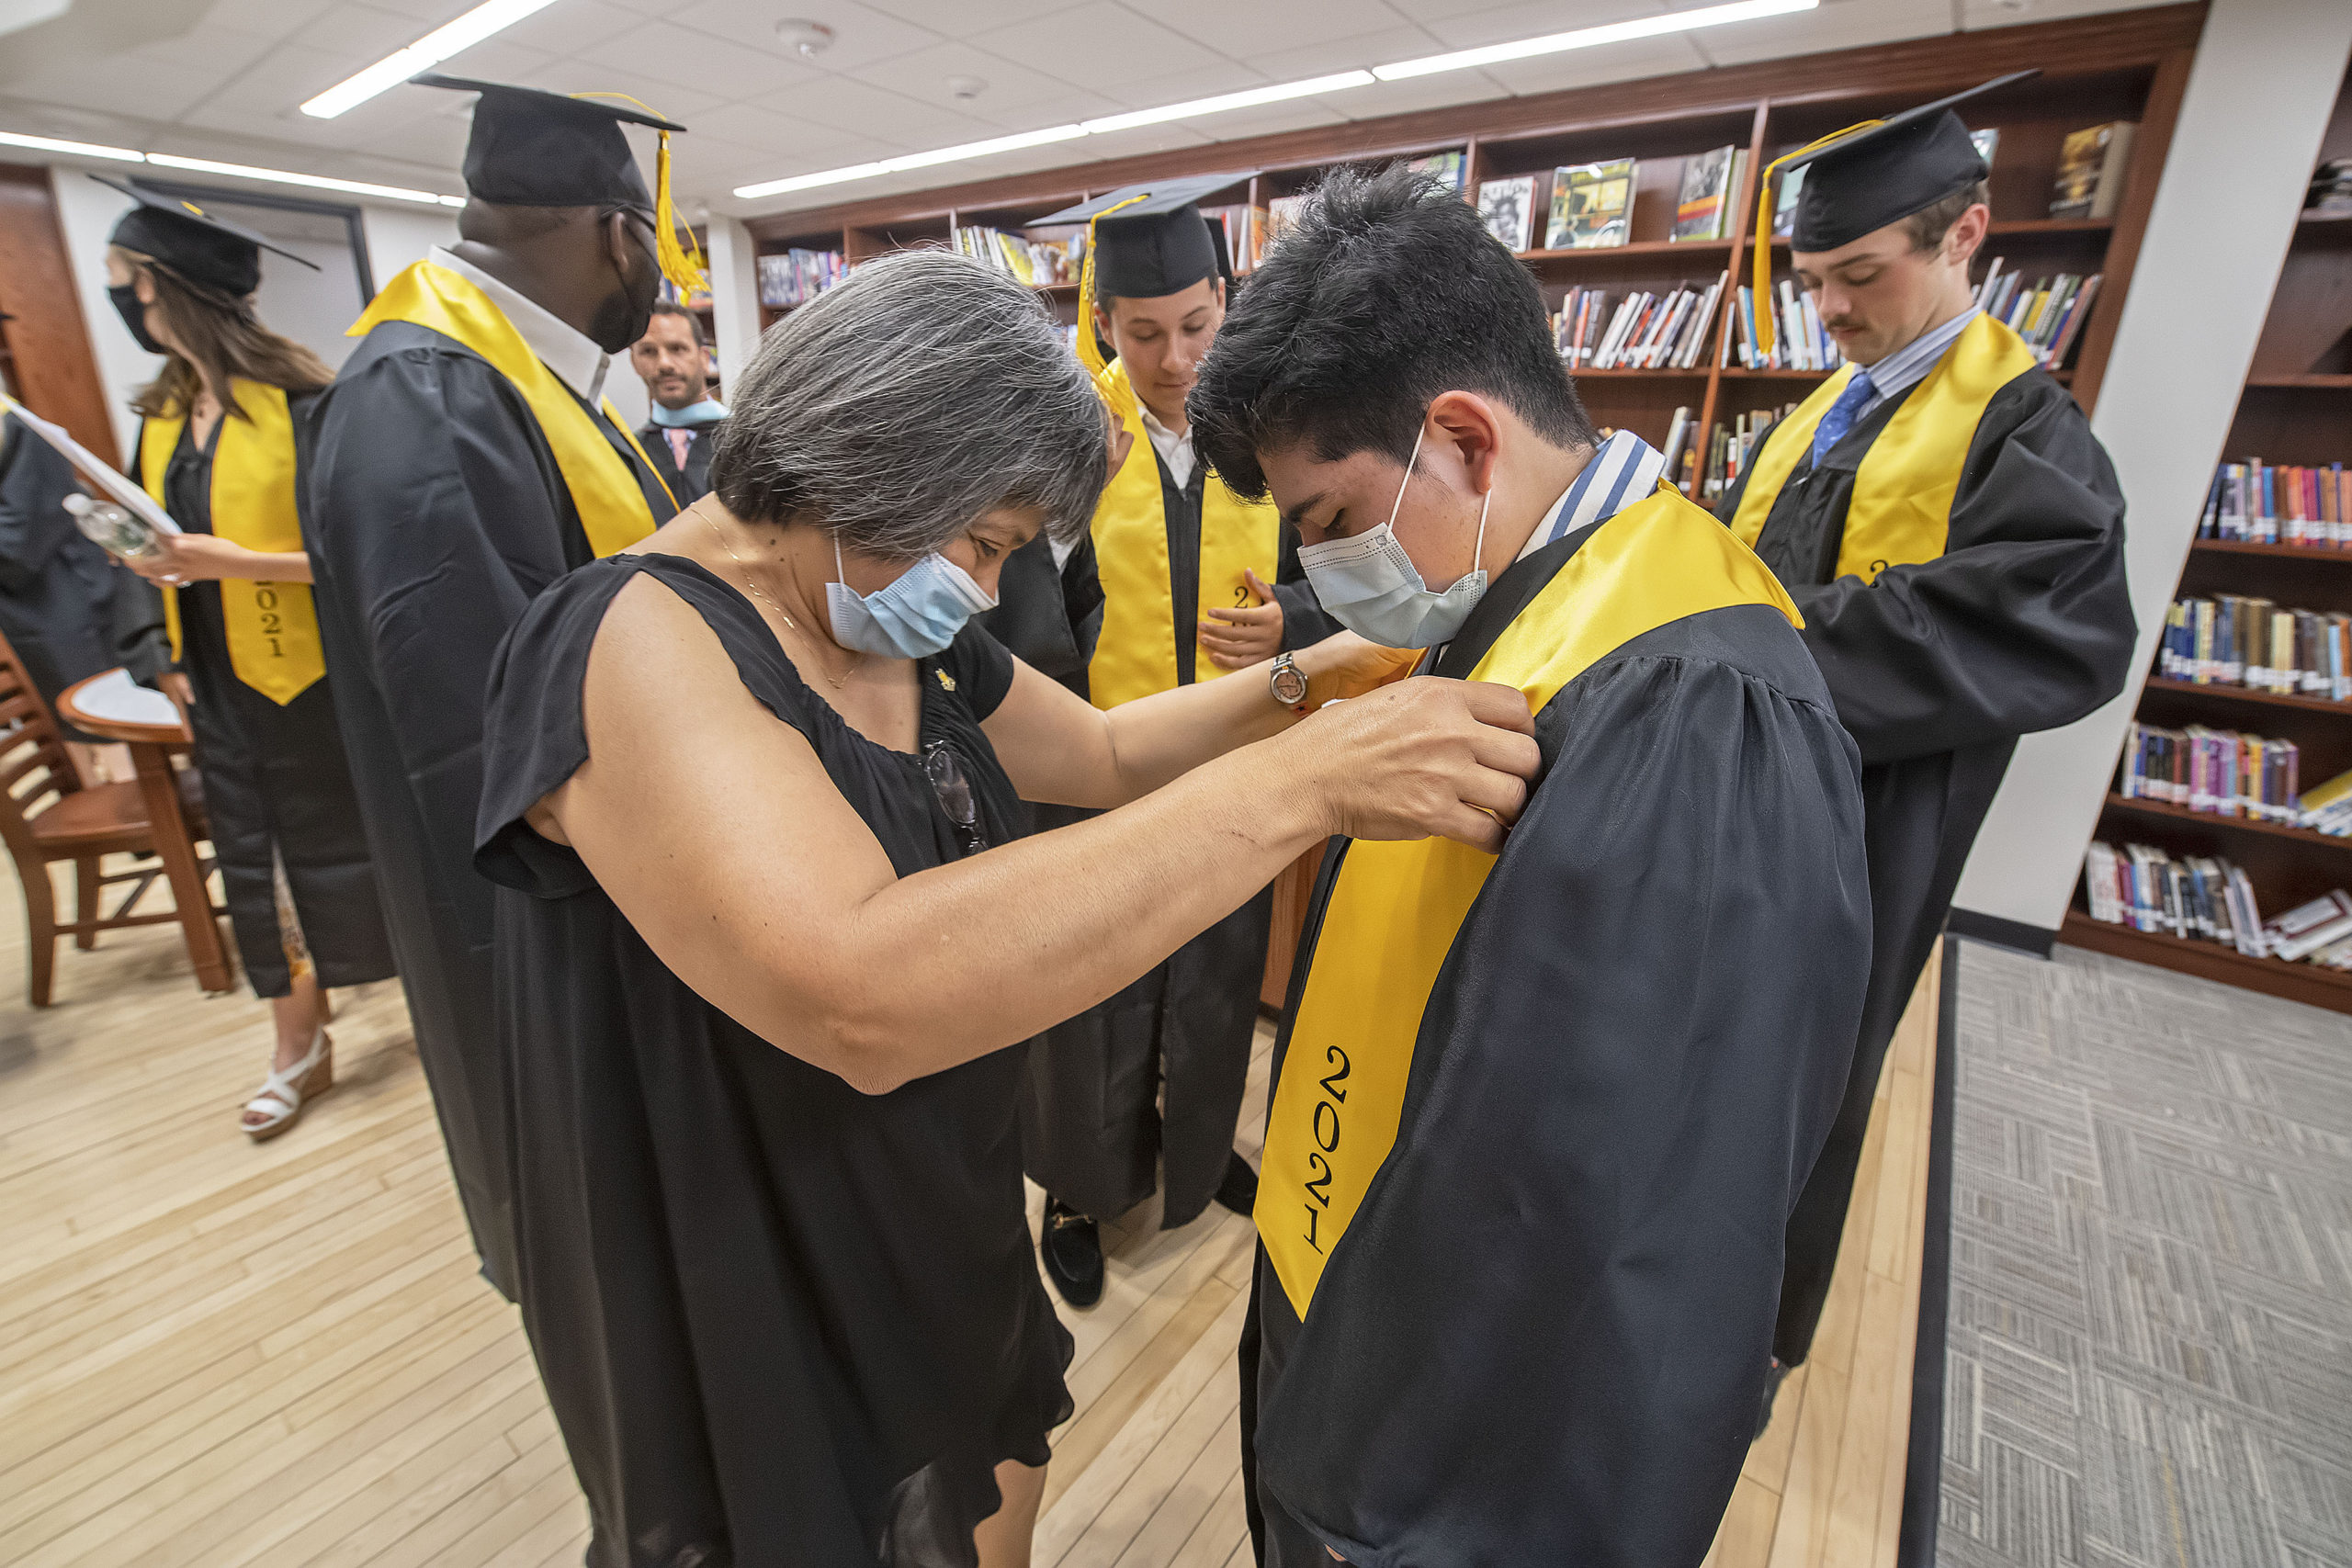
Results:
1062 750
756 883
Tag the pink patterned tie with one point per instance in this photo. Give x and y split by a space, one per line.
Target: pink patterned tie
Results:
680 442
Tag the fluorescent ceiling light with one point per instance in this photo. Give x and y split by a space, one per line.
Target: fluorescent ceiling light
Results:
78 149
317 182
1586 37
1249 99
1551 43
490 16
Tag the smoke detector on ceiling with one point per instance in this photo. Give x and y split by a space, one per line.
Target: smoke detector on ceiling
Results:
807 39
967 86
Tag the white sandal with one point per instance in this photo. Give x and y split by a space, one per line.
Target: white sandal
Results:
286 1089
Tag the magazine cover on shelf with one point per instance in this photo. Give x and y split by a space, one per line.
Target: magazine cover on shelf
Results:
1506 206
1703 207
1592 206
2091 164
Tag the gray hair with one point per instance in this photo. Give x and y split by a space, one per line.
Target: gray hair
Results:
901 405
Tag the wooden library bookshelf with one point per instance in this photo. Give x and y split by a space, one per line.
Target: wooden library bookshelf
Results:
2131 66
2296 408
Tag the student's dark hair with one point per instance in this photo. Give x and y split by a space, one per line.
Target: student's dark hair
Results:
694 322
1387 291
1929 226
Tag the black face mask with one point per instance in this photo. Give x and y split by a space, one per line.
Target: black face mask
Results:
134 316
625 315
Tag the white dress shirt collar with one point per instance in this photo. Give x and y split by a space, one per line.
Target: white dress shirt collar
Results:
576 360
1175 450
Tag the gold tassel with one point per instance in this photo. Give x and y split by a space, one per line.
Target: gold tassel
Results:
1122 399
684 268
1767 307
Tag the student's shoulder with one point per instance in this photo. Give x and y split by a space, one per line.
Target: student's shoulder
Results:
1754 642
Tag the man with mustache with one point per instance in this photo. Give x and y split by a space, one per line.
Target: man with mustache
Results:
1952 533
464 458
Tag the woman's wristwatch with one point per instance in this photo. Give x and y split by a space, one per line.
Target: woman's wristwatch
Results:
1287 682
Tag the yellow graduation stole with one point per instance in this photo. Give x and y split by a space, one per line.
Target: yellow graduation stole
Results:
1136 655
1901 509
1394 909
272 629
612 508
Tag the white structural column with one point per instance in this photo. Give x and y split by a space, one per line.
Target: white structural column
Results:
2266 78
734 295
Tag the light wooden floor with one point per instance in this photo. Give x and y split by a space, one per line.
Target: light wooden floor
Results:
213 1353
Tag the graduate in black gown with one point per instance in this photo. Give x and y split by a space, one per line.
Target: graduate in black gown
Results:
56 589
1537 1119
466 457
219 447
1179 581
762 1044
1952 533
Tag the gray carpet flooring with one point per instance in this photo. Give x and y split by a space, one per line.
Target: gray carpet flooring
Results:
2150 1351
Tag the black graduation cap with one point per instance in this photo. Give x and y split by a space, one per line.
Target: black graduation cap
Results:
200 246
535 149
1871 174
1145 241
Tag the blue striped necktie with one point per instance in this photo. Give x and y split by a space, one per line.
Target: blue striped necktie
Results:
1841 417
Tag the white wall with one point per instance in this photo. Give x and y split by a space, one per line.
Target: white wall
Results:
734 295
398 235
2266 79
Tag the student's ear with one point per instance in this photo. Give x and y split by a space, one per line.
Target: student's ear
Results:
1474 428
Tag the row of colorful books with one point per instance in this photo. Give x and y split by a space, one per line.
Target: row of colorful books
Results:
796 277
1731 447
1592 204
2209 898
1799 343
2265 503
2232 639
1646 331
1038 263
2220 772
2048 313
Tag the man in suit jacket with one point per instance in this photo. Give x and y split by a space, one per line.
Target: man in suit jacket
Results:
675 368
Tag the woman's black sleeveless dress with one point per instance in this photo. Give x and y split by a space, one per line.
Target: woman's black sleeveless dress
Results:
780 1322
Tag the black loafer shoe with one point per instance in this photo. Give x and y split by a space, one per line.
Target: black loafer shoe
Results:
1239 1191
1071 1249
1773 1377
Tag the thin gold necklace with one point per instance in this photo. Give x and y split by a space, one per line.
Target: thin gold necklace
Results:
836 682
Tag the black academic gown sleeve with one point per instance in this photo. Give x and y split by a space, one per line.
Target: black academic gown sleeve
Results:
1305 620
56 587
434 515
2024 622
1544 1338
1049 615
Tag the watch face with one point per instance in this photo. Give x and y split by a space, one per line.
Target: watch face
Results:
1290 686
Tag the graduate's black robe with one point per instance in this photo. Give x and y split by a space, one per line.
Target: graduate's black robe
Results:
433 514
1151 1081
2024 622
56 589
1541 1338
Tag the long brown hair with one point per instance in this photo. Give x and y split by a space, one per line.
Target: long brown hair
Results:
220 334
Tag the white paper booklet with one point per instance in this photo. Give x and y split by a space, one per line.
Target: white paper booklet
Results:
133 499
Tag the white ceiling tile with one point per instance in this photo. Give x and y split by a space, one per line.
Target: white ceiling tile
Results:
1247 29
206 50
1840 24
960 19
270 18
1439 10
1015 98
124 84
860 35
653 7
431 14
1610 63
1415 94
749 125
854 108
367 31
1103 46
571 76
499 58
1535 18
571 25
1350 52
1975 14
1182 86
1269 119
713 71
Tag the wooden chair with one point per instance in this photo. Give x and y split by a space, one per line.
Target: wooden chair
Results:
46 814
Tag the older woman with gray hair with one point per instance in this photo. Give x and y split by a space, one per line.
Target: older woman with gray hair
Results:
766 933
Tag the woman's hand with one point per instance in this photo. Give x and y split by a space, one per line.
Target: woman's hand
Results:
174 683
1450 758
204 558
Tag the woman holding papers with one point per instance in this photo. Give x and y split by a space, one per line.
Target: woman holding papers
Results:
219 449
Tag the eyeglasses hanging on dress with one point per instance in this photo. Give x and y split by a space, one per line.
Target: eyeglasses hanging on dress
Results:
954 792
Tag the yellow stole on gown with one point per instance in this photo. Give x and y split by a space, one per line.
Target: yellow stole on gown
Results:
1901 510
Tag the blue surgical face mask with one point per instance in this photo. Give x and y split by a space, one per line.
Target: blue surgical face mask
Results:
710 410
913 617
1372 587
